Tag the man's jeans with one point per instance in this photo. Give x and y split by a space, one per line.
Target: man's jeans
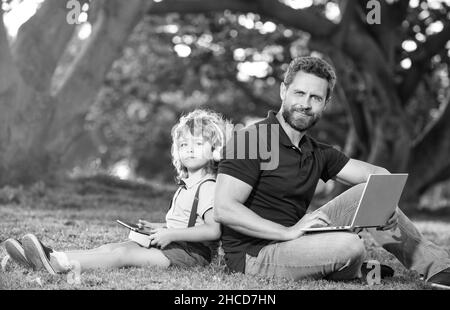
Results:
339 255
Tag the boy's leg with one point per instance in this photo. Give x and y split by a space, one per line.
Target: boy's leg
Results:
332 255
405 241
103 248
123 255
117 255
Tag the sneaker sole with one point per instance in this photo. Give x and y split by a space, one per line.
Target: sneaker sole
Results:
17 253
440 286
35 254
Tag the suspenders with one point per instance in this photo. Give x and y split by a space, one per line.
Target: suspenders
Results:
193 215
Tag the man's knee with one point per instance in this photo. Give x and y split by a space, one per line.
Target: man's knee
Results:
351 246
359 188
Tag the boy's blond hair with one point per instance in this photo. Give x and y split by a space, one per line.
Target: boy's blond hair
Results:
202 122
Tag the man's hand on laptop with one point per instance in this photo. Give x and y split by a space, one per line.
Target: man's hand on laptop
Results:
391 223
357 230
310 220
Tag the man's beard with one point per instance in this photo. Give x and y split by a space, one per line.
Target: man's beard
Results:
300 124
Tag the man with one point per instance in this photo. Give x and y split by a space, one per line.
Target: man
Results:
263 211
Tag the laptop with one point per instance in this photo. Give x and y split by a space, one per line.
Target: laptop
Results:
377 204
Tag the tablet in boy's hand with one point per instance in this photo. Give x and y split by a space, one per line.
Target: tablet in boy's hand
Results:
136 234
131 226
140 238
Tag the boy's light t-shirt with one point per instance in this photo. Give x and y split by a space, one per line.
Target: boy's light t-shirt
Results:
180 210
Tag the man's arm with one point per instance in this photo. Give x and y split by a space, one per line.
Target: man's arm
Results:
357 171
229 209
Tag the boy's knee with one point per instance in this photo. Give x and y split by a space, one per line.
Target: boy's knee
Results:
120 254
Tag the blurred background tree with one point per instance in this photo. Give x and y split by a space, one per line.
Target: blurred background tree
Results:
104 94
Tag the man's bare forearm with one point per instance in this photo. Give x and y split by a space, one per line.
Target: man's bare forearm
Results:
245 221
357 172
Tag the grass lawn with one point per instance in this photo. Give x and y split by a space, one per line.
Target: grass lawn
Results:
82 216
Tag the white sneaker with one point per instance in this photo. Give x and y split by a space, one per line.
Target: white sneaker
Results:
37 254
16 252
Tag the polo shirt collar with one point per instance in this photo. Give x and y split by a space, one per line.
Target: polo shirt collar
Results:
305 143
187 183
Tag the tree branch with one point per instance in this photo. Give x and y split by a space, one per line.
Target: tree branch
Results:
356 108
306 19
366 53
351 143
420 59
348 7
201 6
392 16
40 43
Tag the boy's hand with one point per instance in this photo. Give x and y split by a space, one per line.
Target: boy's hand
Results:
144 224
161 237
145 230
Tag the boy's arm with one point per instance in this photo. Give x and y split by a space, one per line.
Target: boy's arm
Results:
205 232
147 226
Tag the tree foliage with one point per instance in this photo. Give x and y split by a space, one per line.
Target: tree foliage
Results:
389 108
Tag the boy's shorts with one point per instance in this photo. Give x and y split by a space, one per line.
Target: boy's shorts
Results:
183 254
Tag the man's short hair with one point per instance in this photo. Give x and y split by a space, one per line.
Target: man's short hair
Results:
312 65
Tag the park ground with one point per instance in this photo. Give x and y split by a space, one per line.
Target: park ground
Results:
81 215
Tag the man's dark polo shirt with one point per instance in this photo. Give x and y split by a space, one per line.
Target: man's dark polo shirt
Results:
281 195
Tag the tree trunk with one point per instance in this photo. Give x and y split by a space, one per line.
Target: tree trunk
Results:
24 111
40 43
79 90
430 161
